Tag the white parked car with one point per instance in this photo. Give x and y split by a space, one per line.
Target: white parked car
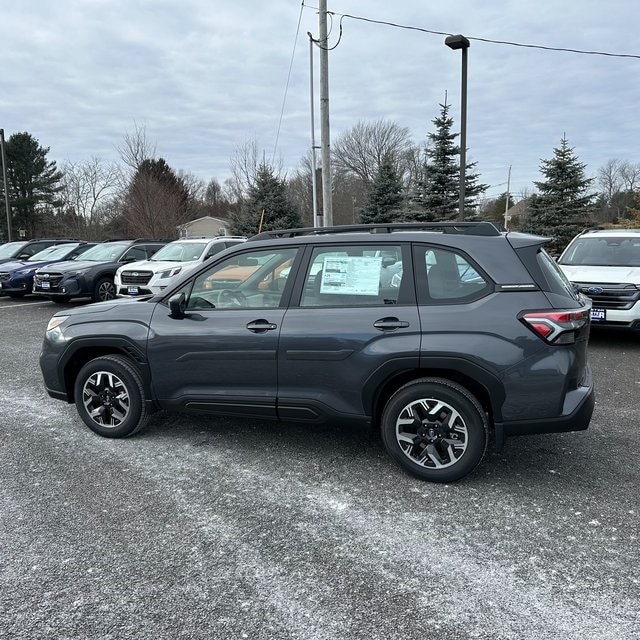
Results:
604 264
152 276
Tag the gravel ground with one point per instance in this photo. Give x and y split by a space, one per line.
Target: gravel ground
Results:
213 528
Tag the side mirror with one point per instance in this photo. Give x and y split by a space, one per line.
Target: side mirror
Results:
178 305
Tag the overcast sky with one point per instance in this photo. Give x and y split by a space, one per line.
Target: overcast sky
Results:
205 76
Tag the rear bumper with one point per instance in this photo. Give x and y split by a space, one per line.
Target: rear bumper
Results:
576 415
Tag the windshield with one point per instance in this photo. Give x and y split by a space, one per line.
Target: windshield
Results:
180 251
9 249
609 251
103 252
53 253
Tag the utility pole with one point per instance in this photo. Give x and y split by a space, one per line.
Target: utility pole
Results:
314 177
507 217
325 146
5 184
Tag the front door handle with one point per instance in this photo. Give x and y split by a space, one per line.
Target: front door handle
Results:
389 324
261 326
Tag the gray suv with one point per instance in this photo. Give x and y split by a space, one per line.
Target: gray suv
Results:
439 335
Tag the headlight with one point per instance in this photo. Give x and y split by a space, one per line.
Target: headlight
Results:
79 272
55 322
169 273
54 329
26 272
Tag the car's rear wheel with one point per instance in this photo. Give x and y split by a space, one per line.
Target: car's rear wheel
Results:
104 290
435 429
109 397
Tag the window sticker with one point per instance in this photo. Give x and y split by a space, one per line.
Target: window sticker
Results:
353 275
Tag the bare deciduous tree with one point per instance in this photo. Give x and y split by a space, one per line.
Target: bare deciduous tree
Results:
361 150
610 178
88 188
244 169
135 148
630 174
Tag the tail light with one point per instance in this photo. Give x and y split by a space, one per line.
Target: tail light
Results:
557 327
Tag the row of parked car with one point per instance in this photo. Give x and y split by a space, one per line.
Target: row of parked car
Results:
602 264
64 269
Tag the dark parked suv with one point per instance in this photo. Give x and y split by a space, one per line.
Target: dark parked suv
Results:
24 249
436 334
92 275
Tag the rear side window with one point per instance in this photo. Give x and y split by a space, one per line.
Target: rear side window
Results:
443 275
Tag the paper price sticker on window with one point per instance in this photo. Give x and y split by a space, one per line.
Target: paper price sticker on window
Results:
353 275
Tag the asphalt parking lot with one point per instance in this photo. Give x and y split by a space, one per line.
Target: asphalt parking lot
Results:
210 528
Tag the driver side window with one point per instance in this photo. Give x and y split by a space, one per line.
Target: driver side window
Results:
252 279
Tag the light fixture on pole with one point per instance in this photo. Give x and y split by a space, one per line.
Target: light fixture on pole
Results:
460 42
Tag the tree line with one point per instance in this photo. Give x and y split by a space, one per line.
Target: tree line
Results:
379 176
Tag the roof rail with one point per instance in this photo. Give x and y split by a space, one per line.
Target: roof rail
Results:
482 228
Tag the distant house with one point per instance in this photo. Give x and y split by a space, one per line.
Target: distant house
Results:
517 213
206 226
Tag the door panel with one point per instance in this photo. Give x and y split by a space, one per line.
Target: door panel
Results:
221 355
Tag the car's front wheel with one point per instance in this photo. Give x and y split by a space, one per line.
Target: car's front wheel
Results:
109 397
104 290
435 429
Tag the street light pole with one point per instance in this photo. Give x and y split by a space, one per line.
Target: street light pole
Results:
460 42
5 184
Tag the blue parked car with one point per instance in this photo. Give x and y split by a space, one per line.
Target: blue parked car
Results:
16 278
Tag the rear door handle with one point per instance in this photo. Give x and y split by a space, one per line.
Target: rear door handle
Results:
261 326
389 324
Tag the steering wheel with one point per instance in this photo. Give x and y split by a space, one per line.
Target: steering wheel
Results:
232 298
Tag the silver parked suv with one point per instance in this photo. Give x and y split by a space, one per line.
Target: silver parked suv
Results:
604 264
155 274
438 335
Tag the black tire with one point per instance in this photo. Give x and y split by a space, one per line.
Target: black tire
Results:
435 429
60 300
109 397
104 290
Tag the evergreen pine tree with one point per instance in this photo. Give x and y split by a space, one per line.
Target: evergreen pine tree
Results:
385 198
436 192
33 181
436 195
268 194
563 206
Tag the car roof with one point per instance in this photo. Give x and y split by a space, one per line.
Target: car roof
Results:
625 233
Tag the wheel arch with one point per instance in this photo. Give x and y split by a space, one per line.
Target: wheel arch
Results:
486 387
74 360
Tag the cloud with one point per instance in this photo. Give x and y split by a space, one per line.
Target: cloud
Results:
204 78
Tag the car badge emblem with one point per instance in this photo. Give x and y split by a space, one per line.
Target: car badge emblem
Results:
595 291
46 276
135 273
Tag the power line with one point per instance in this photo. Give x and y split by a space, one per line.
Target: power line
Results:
286 89
479 39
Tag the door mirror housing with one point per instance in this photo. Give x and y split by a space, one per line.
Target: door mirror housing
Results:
178 305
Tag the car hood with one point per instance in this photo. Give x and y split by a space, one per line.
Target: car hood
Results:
14 264
24 264
124 308
156 265
602 274
75 265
